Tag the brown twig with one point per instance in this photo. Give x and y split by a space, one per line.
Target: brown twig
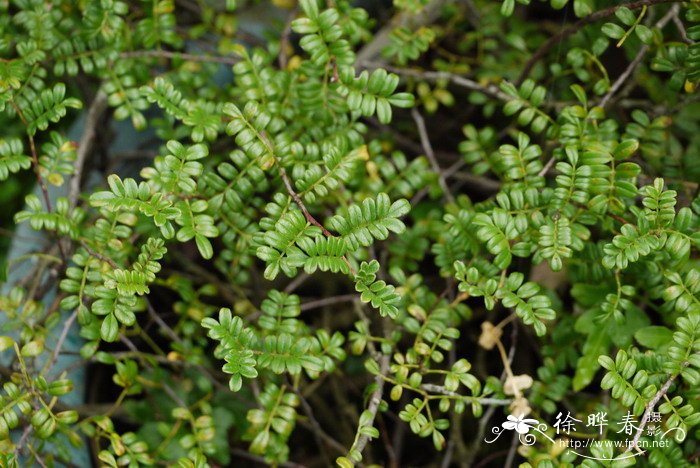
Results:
296 282
484 401
37 171
326 301
426 16
309 217
374 399
35 158
624 76
180 55
300 203
284 39
511 451
161 323
61 339
547 167
315 426
571 29
171 393
681 28
632 67
430 154
379 380
98 255
489 90
98 106
245 455
647 412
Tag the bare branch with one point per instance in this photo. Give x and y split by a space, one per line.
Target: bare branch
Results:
426 16
61 339
98 106
375 399
428 149
547 167
315 426
569 30
489 90
326 301
647 412
309 217
284 39
632 67
484 401
681 28
180 55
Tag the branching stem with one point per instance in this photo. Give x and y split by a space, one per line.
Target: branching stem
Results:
571 29
647 412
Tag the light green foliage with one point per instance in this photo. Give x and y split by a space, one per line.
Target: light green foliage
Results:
626 382
281 251
371 93
244 352
49 106
11 158
526 101
521 162
323 37
271 426
632 23
61 220
406 45
361 224
382 296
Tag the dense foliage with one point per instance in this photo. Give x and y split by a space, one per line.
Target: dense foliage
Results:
308 233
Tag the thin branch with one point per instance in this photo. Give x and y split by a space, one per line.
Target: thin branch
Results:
61 339
326 301
479 183
489 90
180 55
547 167
35 158
244 454
568 31
37 171
374 400
430 154
511 452
484 401
426 16
98 255
632 67
316 427
647 412
473 14
379 381
284 39
40 179
296 282
681 28
624 76
309 217
161 323
25 434
171 393
98 106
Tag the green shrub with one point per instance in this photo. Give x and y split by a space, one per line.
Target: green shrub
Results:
308 261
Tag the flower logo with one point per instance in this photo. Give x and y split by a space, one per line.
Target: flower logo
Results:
521 425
